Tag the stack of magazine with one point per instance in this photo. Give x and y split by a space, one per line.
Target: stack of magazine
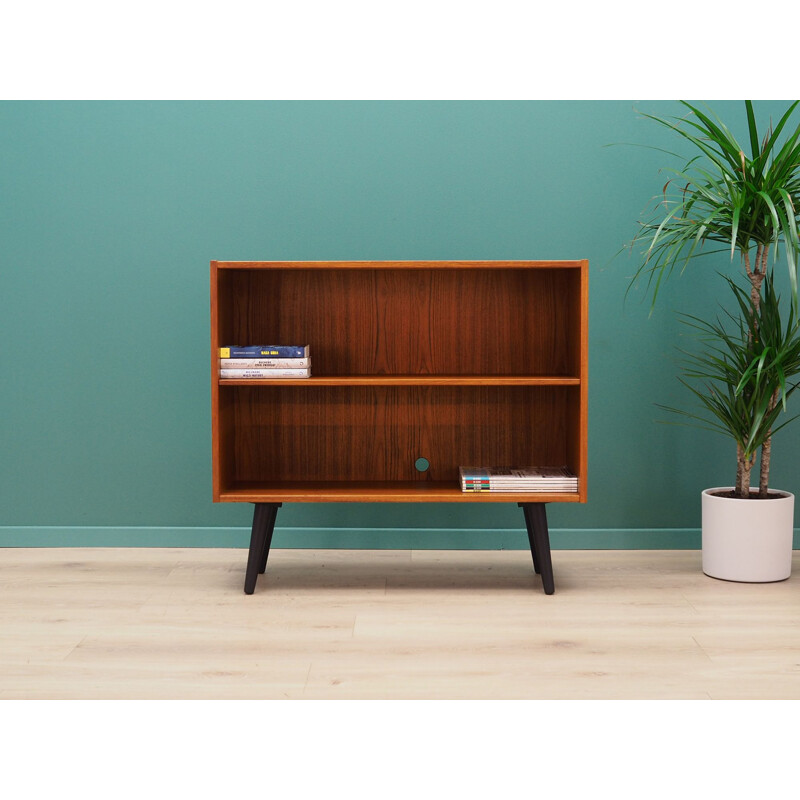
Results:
517 479
264 361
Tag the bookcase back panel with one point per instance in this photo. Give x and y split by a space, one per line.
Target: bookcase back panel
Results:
401 321
367 433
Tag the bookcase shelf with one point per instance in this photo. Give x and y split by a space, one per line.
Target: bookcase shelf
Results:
480 363
375 491
409 380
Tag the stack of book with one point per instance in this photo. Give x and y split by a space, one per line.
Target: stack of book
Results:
517 479
265 361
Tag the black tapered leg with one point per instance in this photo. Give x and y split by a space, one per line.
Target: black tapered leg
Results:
260 539
273 513
531 540
536 516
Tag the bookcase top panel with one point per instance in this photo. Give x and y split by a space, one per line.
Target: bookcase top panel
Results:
400 264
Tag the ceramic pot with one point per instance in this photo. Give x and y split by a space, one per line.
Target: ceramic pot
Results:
749 541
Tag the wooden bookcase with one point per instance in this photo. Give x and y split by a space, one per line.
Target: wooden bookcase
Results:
458 362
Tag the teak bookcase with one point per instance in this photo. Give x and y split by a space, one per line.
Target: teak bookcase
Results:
462 363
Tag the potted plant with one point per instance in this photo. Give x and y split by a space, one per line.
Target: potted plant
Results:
745 203
742 378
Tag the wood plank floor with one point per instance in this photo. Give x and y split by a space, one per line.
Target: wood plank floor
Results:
175 623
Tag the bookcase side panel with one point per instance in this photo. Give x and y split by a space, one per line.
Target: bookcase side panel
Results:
577 407
222 427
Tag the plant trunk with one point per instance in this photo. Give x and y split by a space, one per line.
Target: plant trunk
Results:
743 472
763 483
745 465
766 452
739 468
757 278
756 275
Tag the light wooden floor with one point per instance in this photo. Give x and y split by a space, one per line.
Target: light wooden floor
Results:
175 623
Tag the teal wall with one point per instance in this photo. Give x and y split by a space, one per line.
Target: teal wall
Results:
111 211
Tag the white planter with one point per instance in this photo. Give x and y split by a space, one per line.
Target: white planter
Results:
747 540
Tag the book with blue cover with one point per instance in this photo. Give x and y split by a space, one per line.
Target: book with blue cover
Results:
265 351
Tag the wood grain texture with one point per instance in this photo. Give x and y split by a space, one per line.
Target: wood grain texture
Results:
91 623
400 322
363 433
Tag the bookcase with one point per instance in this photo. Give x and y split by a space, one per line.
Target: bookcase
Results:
418 368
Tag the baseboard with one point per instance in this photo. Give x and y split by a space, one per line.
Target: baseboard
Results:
352 538
356 538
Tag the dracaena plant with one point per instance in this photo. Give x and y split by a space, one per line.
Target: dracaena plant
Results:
745 199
